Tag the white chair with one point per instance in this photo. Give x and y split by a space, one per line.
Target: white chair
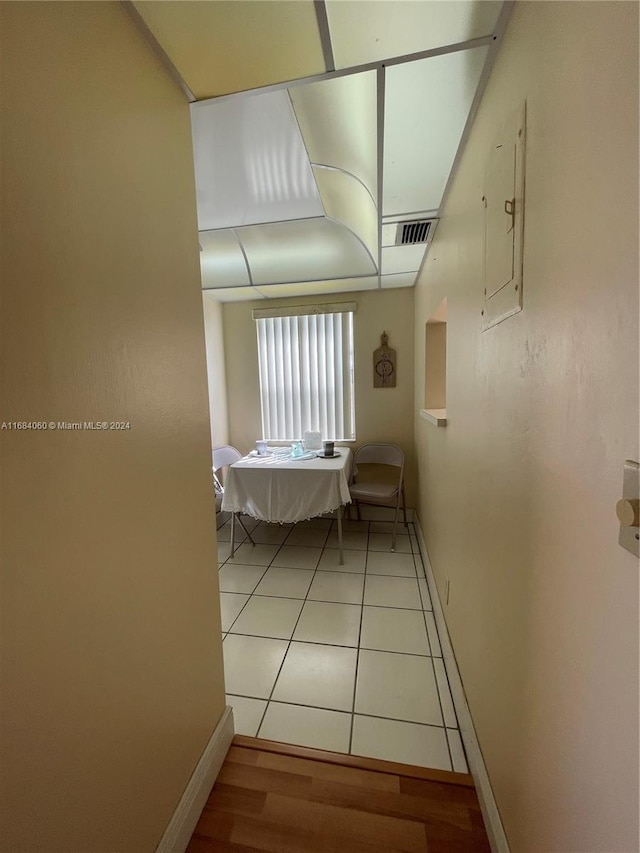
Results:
224 456
380 492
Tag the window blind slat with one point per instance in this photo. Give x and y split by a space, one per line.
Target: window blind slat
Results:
296 378
313 373
273 379
339 369
287 379
278 376
330 372
305 382
321 376
263 367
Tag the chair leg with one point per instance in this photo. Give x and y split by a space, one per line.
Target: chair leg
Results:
245 530
395 524
358 510
404 508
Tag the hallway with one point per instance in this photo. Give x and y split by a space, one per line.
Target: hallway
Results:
342 658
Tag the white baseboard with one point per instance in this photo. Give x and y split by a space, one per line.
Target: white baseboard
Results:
180 829
490 813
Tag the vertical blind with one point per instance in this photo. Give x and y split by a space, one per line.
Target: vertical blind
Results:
306 375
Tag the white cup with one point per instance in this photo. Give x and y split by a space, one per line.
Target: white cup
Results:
261 448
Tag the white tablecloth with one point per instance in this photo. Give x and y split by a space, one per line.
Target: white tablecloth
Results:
279 488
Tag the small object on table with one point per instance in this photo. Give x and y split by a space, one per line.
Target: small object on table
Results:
296 449
328 448
261 448
312 440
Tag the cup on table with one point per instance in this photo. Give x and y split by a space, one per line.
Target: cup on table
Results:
327 448
261 448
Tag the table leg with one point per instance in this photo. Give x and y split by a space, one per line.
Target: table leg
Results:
233 533
341 555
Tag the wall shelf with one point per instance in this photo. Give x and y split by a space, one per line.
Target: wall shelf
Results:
437 417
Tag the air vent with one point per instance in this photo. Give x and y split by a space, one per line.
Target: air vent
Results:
413 232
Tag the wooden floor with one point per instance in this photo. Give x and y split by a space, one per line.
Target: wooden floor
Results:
282 799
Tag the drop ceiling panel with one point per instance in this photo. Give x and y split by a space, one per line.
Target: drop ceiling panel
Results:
402 259
221 260
277 291
338 120
229 46
307 250
389 233
405 279
347 200
426 107
368 30
409 217
235 294
251 164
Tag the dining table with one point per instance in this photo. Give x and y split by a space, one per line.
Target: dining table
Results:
282 488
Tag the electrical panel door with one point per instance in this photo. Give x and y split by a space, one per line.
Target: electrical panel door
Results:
503 205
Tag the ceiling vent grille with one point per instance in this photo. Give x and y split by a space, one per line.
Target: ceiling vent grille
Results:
413 232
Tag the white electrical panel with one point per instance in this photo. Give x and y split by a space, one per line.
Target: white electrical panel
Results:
503 205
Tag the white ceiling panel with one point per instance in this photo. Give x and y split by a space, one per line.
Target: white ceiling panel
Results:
347 200
250 162
370 30
426 107
397 259
342 285
389 233
403 279
338 121
221 260
228 46
410 217
235 294
311 249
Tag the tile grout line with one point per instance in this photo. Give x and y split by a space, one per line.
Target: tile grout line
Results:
333 645
433 669
346 713
355 679
284 657
435 675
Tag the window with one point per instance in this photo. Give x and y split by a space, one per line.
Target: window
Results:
305 358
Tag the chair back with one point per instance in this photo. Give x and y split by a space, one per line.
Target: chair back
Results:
379 454
225 455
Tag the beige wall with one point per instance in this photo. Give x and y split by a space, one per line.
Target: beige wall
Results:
518 492
215 370
382 414
111 658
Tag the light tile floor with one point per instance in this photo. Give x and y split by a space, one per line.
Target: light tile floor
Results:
343 658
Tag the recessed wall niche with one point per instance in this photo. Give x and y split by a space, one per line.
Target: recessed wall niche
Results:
435 367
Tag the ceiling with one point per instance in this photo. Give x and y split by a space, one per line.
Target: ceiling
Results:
320 129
